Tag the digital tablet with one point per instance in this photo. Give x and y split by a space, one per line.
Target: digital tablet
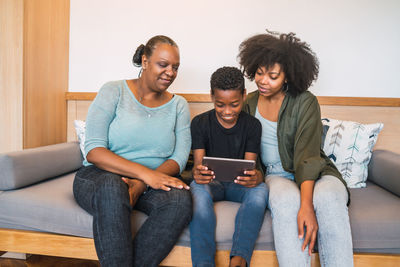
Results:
226 169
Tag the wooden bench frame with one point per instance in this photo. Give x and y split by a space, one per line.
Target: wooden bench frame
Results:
31 242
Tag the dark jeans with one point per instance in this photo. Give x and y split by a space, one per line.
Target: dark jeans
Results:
105 196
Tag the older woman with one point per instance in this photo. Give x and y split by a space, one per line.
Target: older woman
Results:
137 142
307 193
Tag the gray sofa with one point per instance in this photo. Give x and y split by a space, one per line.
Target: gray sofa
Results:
36 195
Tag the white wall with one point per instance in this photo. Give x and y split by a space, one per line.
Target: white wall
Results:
357 41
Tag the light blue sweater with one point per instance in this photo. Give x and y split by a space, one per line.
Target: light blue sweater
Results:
148 136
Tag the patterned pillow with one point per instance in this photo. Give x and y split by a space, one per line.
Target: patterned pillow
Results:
80 127
349 145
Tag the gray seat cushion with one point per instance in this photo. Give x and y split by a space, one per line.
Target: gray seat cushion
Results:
375 218
50 207
47 206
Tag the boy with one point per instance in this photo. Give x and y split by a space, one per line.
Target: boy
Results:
227 132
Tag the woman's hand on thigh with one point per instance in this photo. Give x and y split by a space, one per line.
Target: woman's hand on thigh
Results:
306 219
159 180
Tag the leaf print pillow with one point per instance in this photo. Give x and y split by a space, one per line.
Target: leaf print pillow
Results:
349 145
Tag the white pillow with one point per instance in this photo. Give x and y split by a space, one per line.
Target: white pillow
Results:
349 145
80 127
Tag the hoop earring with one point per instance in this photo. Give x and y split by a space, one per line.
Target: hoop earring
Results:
140 72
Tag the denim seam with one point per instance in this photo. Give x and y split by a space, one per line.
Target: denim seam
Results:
175 216
95 221
238 226
322 255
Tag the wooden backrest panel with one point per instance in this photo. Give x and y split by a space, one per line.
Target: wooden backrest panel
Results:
388 139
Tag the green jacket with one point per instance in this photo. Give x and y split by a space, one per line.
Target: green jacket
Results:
299 134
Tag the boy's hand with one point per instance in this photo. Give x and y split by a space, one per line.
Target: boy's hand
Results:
253 178
202 175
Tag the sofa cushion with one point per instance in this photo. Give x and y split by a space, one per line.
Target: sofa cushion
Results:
33 165
80 129
47 206
226 213
375 219
50 207
384 170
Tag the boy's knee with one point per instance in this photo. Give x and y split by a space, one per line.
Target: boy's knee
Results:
258 195
203 204
200 192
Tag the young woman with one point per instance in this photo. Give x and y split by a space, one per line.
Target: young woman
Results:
137 134
307 196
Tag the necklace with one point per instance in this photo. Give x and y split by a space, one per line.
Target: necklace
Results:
144 108
134 89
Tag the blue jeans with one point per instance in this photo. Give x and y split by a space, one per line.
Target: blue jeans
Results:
334 234
248 222
105 196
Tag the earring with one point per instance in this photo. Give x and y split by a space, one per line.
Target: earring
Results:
285 87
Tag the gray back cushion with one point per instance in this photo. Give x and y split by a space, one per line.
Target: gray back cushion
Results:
33 165
384 170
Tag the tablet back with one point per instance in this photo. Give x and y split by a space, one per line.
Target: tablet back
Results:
225 169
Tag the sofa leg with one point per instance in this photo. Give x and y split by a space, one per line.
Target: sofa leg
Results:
14 255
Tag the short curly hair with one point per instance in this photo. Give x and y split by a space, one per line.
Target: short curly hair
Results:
297 60
227 78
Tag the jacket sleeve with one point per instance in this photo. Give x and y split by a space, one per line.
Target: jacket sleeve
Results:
308 163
